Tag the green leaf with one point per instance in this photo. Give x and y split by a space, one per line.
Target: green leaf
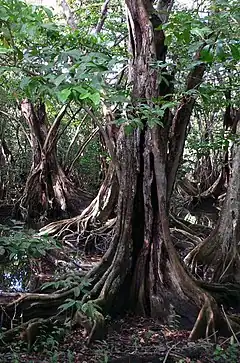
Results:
2 250
63 95
67 305
49 26
77 291
168 105
201 32
48 12
12 255
4 16
128 129
4 50
57 81
85 95
206 55
95 97
221 55
186 35
79 89
85 283
75 53
25 82
153 122
235 50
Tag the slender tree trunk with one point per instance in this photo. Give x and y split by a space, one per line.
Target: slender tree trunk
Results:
5 160
68 14
103 17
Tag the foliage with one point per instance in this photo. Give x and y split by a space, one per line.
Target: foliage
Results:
49 59
72 281
43 59
17 248
205 30
228 354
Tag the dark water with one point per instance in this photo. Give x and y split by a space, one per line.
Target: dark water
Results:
15 274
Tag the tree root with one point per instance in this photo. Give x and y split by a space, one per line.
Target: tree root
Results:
218 264
94 326
95 222
205 323
212 322
82 228
189 239
227 294
29 331
198 229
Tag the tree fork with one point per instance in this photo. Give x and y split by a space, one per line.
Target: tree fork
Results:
48 192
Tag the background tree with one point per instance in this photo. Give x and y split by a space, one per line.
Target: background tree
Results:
47 186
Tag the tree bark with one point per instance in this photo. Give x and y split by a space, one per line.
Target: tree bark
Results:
48 192
68 14
141 268
141 260
219 253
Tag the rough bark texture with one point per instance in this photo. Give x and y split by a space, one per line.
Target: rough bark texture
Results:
141 261
220 251
142 254
48 192
141 267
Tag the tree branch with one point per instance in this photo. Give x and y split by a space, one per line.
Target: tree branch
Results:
53 129
103 17
74 138
164 8
179 125
106 139
67 12
19 123
84 145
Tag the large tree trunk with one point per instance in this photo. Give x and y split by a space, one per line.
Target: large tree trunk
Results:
141 261
48 192
141 268
219 253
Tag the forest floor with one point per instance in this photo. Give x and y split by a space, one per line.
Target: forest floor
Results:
132 340
128 340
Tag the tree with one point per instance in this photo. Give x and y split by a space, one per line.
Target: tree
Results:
49 193
141 268
218 254
141 256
